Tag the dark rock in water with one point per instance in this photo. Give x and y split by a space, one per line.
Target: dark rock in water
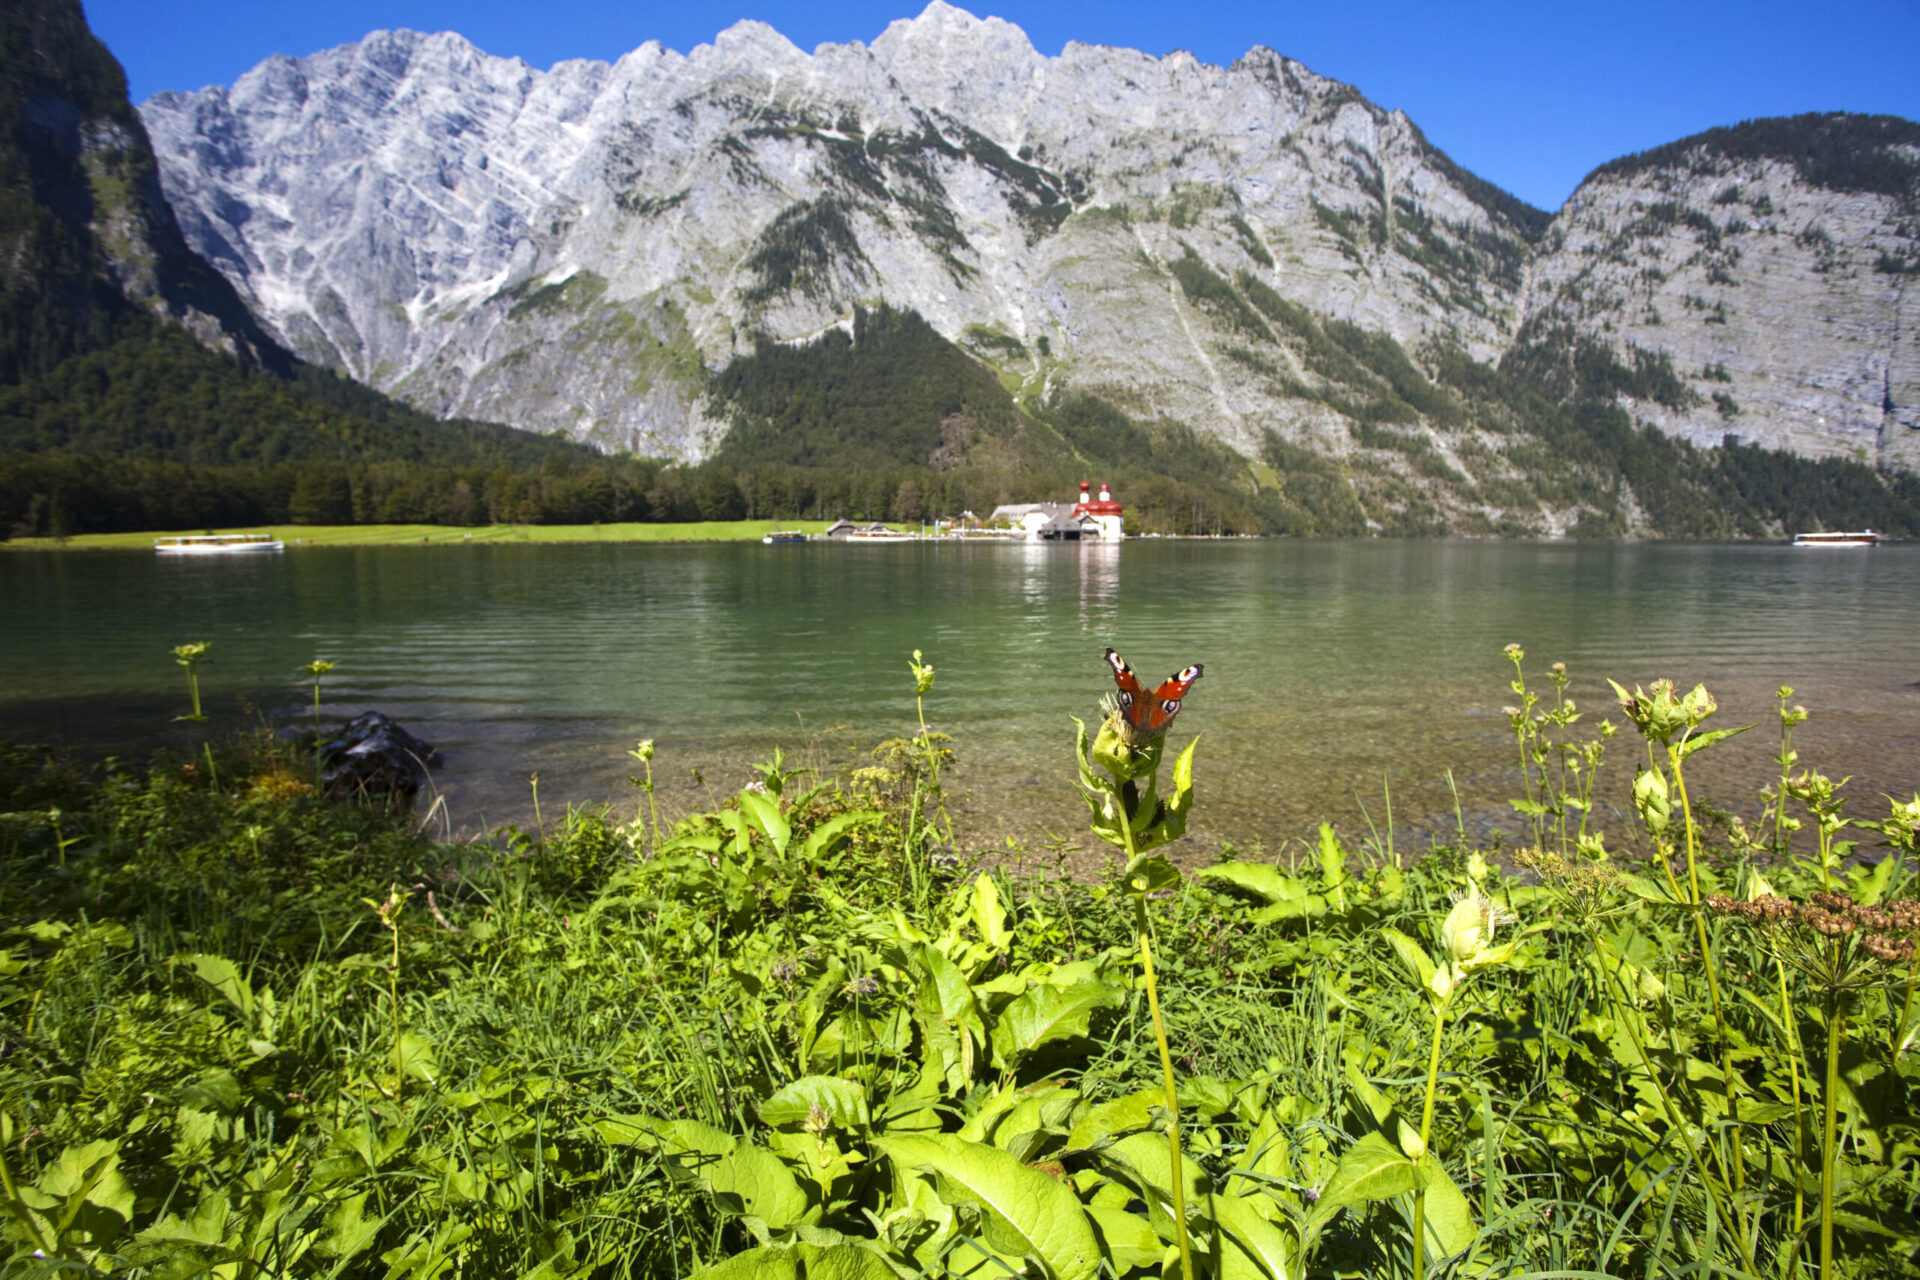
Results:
374 756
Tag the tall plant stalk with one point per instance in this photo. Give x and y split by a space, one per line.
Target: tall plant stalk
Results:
1426 1134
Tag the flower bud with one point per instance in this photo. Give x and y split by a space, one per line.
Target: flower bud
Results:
1650 800
1410 1143
1465 930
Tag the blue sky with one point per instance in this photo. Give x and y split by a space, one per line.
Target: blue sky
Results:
1530 96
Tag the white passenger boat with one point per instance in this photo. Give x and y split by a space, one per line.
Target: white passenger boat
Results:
218 544
1863 538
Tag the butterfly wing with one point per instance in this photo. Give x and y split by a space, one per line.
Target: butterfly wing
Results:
1133 698
1165 702
1150 710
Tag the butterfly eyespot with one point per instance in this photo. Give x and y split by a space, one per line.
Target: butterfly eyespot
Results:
1171 707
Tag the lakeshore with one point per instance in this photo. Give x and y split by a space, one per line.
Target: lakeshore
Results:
389 535
1335 670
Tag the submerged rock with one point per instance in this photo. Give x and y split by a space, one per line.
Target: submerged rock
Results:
374 756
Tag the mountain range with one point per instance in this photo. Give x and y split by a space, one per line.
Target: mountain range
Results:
1254 258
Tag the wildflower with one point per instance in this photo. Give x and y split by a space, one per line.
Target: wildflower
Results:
1469 929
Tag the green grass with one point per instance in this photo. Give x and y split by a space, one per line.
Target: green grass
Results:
373 535
250 1030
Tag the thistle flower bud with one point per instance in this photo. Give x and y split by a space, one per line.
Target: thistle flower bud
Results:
1650 800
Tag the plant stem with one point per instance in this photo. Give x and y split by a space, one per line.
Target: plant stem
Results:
1836 1024
1713 987
653 815
393 995
933 765
1426 1127
1674 1124
1789 1028
1166 1069
18 1207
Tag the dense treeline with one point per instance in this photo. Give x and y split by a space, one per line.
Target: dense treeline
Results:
1582 448
893 393
163 397
1838 150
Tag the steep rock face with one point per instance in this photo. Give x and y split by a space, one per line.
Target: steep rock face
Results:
90 242
1759 280
573 250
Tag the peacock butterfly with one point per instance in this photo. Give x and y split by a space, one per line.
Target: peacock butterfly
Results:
1148 712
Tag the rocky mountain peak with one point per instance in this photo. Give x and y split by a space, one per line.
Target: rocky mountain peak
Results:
580 249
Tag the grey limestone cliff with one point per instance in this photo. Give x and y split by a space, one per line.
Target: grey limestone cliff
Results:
576 249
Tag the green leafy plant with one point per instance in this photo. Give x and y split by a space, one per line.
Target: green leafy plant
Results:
191 656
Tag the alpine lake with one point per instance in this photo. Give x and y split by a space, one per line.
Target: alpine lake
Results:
1359 683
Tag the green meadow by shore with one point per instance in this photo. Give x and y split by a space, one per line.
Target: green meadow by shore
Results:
369 535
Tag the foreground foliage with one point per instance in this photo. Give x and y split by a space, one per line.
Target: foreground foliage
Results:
247 1032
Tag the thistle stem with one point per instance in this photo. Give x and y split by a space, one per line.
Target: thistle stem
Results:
1836 1024
1788 1028
1166 1069
1426 1127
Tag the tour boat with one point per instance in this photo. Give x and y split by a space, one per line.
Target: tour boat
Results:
217 544
1863 538
784 535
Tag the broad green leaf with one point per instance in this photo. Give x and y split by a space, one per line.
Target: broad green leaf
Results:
223 976
1371 1169
1118 1115
1333 856
213 1090
699 843
675 1137
1046 1104
88 1175
1701 741
828 1100
945 990
418 1058
989 917
1378 1105
1450 1225
1413 956
1300 904
1145 1160
349 1230
742 830
1272 1250
755 1264
1149 873
207 1226
765 1188
1867 885
1128 1239
821 838
763 812
1046 1013
803 1261
1262 879
1025 1212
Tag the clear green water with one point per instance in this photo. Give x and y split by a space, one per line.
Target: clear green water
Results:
1330 666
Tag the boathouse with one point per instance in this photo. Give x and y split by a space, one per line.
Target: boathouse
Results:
1089 517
